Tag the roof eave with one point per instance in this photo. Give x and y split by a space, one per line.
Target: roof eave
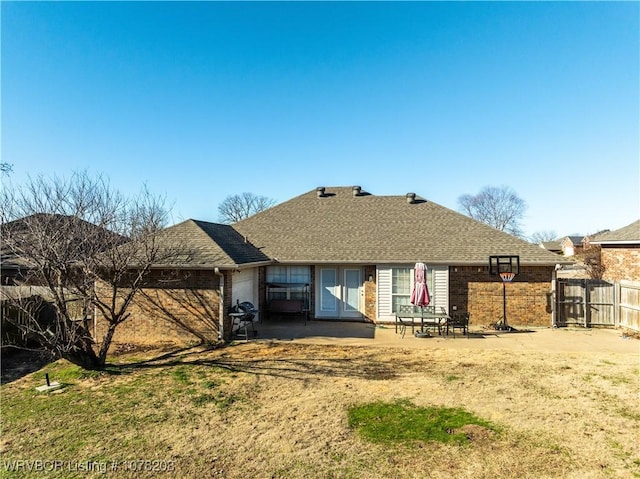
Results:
605 242
431 263
223 266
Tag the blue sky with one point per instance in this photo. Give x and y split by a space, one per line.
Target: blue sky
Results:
204 100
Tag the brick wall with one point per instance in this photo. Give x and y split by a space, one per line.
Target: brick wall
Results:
178 307
620 262
472 289
370 293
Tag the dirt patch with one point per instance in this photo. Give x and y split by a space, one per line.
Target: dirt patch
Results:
630 334
475 433
118 349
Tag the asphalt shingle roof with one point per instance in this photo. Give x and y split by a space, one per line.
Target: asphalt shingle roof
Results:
341 227
19 235
208 244
575 240
629 233
552 245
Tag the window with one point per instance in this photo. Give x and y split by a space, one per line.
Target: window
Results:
277 274
288 274
299 274
402 283
400 287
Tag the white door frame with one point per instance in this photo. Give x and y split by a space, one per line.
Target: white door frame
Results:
339 292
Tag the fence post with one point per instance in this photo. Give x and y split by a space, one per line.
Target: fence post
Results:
554 300
585 303
616 303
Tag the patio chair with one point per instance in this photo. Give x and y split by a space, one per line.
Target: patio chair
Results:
405 317
459 320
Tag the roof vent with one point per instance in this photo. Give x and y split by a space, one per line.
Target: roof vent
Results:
321 192
411 198
357 190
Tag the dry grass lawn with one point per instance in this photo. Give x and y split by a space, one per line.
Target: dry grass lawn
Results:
279 410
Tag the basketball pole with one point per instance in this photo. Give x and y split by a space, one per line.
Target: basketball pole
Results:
504 306
503 325
506 267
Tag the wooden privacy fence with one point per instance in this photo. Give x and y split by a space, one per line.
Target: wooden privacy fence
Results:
592 302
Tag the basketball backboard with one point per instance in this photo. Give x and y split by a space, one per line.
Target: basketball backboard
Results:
504 264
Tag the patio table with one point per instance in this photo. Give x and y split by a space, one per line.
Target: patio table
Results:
424 317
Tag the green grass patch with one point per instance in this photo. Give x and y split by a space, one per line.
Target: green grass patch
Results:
117 409
180 374
67 373
618 379
607 362
221 400
209 384
627 413
403 422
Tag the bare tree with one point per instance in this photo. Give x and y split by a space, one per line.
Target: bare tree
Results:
238 207
85 245
592 259
6 167
499 207
543 236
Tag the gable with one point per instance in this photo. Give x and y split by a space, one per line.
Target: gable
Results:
204 244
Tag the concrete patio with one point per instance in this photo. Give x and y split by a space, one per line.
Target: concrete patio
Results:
384 335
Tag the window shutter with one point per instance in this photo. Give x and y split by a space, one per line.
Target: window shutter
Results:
384 293
441 287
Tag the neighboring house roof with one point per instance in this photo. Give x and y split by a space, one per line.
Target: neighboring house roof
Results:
14 293
551 246
17 236
629 234
10 261
199 243
574 240
343 226
596 235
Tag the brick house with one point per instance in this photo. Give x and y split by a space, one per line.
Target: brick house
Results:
620 253
571 245
354 254
185 299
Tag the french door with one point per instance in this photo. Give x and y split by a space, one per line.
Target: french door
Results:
340 292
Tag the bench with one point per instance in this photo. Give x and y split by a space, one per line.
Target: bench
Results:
286 306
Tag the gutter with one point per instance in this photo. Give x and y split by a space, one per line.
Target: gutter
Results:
212 266
615 242
555 261
220 305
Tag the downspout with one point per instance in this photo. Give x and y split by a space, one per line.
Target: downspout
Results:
220 305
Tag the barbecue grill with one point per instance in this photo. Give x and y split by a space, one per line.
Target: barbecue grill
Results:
242 315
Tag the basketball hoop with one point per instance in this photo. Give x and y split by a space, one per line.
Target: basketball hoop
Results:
507 267
507 276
